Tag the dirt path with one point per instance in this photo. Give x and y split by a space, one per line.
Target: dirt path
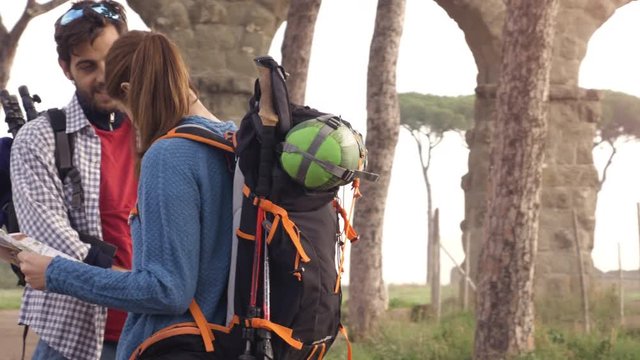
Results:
11 337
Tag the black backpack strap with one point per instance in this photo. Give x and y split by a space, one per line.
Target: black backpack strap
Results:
101 253
64 155
25 332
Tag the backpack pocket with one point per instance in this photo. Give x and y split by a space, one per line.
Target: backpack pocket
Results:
301 270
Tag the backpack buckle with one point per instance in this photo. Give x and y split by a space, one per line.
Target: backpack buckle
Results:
348 176
334 122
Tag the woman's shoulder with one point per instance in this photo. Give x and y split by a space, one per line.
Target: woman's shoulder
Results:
178 152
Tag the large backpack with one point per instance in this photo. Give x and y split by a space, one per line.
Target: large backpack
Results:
284 292
63 160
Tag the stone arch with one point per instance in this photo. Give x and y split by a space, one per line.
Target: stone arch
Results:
219 39
614 69
569 177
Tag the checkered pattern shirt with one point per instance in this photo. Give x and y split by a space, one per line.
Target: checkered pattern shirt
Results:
72 327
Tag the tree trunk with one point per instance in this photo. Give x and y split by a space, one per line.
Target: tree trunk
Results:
435 256
504 306
9 39
425 162
367 296
296 46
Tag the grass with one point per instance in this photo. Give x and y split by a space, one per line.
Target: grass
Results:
10 298
8 279
558 331
558 335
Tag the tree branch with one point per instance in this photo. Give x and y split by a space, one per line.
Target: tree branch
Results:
434 142
39 9
606 167
3 29
32 10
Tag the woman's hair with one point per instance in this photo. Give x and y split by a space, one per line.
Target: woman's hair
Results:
158 94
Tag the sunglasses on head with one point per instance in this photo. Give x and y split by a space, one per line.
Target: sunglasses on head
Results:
101 9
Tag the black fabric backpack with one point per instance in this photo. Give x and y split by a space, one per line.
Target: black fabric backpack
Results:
284 285
64 164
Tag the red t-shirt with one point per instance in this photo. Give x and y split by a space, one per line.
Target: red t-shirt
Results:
118 195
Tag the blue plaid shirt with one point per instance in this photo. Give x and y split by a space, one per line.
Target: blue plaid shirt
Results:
72 327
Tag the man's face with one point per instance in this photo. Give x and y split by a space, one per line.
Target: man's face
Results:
86 69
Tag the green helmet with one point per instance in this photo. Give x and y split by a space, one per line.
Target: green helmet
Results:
323 153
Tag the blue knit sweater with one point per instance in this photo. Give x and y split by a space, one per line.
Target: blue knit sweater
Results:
181 243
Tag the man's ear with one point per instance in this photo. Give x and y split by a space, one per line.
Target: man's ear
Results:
65 68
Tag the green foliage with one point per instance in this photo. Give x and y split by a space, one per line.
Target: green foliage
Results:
620 116
558 331
436 114
8 279
10 298
407 296
451 339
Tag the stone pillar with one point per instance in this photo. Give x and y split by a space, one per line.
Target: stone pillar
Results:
570 180
219 39
569 184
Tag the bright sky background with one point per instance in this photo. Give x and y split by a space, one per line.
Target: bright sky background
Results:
434 58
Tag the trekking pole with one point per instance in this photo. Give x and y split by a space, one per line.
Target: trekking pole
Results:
266 350
12 112
27 102
248 333
269 119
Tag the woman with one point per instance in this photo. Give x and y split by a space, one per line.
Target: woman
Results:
182 227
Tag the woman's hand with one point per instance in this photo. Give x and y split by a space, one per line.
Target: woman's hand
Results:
34 267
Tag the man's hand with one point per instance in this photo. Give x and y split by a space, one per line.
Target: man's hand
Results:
34 266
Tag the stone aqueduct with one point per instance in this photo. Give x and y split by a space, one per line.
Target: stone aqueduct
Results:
221 37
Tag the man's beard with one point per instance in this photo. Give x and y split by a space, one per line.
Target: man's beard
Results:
88 102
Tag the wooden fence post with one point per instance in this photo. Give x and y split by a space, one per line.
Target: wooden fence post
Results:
435 279
583 280
620 286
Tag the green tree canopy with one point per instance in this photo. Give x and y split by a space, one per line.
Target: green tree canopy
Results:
620 117
436 114
620 121
428 117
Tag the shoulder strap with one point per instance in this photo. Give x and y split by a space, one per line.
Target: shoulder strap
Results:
203 135
64 154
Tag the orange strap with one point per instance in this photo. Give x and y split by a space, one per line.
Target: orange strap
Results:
289 226
340 271
164 334
173 134
201 321
324 349
296 266
351 233
315 347
343 331
356 188
132 214
186 328
284 333
275 224
244 235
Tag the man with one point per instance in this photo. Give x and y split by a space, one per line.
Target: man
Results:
103 148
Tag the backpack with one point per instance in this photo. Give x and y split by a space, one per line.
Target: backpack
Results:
63 159
284 293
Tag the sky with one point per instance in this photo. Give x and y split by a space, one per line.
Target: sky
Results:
435 59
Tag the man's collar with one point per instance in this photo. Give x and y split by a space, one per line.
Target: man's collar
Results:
76 119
